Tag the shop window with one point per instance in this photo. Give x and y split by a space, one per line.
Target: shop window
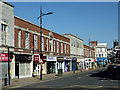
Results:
22 69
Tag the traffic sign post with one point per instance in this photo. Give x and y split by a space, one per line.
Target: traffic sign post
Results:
41 61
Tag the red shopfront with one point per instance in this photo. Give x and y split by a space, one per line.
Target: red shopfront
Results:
4 65
37 66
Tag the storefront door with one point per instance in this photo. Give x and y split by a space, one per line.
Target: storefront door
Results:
51 67
17 70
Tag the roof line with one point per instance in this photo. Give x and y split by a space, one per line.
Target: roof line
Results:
7 3
38 26
73 35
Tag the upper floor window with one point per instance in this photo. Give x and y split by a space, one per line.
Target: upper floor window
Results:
102 55
35 42
65 48
3 27
19 38
54 46
61 47
47 43
99 55
51 45
3 34
27 40
57 47
42 44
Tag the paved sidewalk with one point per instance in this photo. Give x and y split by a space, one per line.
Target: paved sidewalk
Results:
31 80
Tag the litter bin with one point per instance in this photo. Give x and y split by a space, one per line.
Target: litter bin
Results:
5 81
60 72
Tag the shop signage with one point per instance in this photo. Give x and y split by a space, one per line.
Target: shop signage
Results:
4 57
60 59
74 59
36 57
22 57
68 58
51 58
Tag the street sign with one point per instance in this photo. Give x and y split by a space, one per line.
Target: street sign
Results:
40 61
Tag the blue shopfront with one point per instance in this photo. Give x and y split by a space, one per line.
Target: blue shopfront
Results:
74 64
102 61
67 64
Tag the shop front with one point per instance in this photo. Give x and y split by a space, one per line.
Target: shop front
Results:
74 64
51 64
23 66
79 63
4 65
37 65
88 63
60 64
67 64
102 61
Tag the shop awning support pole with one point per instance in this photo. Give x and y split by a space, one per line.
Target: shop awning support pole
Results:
8 68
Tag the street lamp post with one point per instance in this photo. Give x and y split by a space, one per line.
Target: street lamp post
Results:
40 17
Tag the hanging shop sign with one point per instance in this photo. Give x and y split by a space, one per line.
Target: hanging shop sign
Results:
22 57
4 57
60 59
36 57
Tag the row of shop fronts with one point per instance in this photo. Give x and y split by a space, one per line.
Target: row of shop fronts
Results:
23 65
53 63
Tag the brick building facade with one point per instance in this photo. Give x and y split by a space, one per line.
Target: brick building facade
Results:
27 49
89 52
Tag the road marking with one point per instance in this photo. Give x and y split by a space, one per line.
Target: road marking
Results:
99 86
84 86
112 80
79 77
43 86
